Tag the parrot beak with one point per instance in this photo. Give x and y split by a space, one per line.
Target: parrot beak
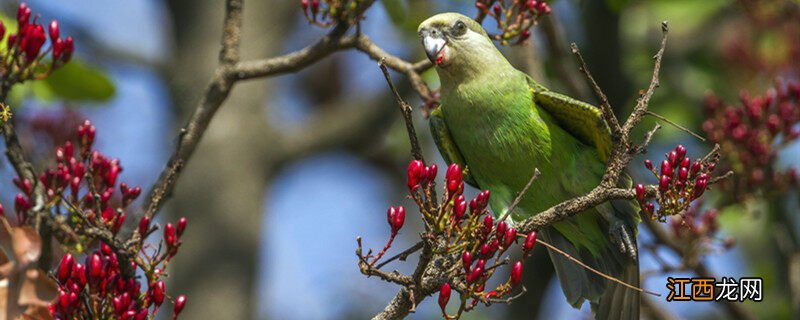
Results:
434 48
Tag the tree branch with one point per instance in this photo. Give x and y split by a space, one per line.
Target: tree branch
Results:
231 70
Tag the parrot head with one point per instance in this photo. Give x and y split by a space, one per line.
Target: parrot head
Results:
458 45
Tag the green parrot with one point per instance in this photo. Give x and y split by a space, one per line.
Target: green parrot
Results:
500 125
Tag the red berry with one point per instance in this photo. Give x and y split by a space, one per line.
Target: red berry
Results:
181 225
54 30
640 193
65 268
158 293
444 296
530 241
180 302
466 259
516 274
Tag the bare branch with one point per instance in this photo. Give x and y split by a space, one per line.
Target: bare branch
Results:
672 123
406 109
231 33
516 201
605 106
402 255
595 271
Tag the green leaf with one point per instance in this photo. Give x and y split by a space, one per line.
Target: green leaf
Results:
76 81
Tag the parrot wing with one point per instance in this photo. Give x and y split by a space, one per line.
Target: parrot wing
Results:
582 120
447 147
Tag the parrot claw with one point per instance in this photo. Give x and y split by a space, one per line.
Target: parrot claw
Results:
623 238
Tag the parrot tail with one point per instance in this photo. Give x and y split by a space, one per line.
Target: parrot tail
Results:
618 301
609 300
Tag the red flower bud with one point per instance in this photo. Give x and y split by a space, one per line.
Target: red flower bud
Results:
480 264
544 8
696 166
65 268
510 238
69 47
483 199
516 274
648 164
488 224
169 235
474 275
493 247
119 222
500 231
453 178
444 296
460 207
672 156
640 192
33 41
666 168
181 225
144 226
524 35
95 266
686 162
683 173
399 219
663 184
414 174
428 174
700 186
530 241
21 204
158 293
23 15
485 250
54 31
180 302
680 151
466 259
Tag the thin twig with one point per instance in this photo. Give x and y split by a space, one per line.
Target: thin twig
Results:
522 193
551 247
642 148
605 106
406 109
672 123
402 255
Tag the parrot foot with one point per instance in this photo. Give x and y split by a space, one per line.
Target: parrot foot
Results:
622 236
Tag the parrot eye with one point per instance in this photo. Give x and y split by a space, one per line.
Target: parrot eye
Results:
459 28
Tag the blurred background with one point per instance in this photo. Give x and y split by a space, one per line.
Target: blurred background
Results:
294 167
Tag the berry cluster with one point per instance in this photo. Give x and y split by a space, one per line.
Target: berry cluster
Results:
752 133
680 181
24 57
467 231
326 13
99 288
514 18
89 205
